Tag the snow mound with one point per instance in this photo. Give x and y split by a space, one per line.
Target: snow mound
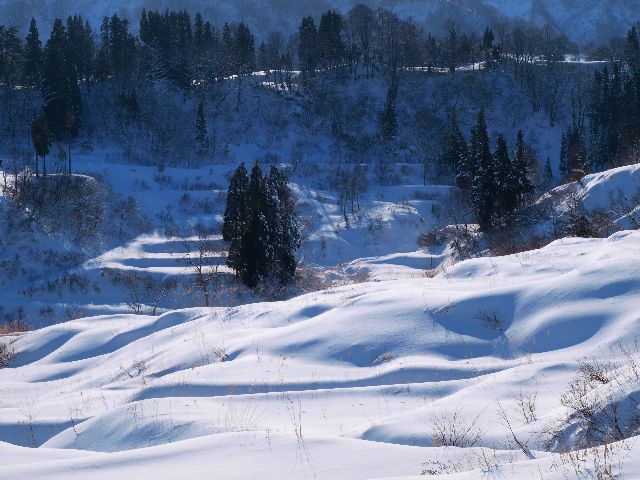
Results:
352 379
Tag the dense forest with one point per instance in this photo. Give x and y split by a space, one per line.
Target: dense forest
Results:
56 91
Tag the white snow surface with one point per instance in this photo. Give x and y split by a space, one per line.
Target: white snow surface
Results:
343 383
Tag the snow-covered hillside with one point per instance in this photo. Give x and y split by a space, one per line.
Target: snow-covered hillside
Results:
351 382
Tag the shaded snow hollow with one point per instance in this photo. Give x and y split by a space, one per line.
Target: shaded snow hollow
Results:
343 383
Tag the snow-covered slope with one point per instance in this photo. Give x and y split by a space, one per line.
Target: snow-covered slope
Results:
612 194
351 382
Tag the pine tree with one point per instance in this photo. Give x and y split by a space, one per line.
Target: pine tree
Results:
431 52
254 248
11 55
330 44
483 185
632 49
563 167
236 215
60 82
388 122
262 59
231 61
506 180
308 47
524 185
454 152
261 227
33 56
547 176
285 230
41 139
245 48
202 136
80 47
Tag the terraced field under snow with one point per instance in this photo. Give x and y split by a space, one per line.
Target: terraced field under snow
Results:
354 382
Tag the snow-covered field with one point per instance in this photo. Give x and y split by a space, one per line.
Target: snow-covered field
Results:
351 382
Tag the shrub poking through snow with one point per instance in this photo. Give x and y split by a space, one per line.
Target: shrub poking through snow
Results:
7 354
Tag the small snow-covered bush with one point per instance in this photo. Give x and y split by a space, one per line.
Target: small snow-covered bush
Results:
490 320
7 354
453 429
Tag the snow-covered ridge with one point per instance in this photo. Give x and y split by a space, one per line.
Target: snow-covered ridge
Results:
301 388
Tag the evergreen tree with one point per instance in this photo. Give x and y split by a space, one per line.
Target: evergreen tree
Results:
33 56
60 82
229 53
245 48
454 151
11 55
547 176
506 180
236 215
41 139
451 49
563 167
308 47
573 155
262 59
524 187
387 121
260 226
632 49
431 52
483 184
80 47
330 44
202 136
255 248
285 230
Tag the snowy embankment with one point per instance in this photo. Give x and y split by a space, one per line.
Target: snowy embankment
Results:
352 382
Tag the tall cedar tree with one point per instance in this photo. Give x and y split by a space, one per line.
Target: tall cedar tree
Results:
285 229
236 215
483 185
202 136
254 248
632 49
330 42
81 47
33 56
11 55
41 138
261 227
506 178
60 82
308 47
547 176
524 187
388 121
245 48
454 152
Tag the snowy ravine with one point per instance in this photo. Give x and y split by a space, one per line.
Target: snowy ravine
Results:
353 382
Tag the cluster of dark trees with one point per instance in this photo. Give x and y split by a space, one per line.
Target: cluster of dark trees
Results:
174 46
190 52
170 47
261 227
498 182
614 117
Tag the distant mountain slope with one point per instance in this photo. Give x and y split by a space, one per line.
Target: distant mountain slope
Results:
581 20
